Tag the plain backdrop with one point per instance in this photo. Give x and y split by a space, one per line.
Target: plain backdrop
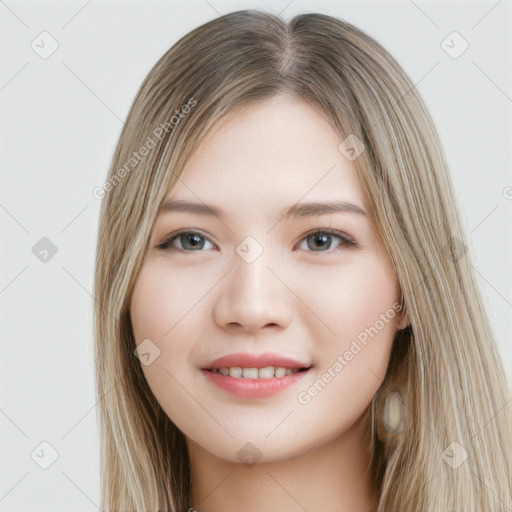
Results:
60 120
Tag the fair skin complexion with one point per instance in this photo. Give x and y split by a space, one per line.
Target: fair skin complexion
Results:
306 297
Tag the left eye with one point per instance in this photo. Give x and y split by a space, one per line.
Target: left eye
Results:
324 237
192 241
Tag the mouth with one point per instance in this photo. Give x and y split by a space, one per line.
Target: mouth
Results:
267 372
254 376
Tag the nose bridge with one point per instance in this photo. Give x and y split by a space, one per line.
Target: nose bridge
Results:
252 280
252 295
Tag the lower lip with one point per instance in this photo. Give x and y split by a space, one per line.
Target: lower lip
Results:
252 388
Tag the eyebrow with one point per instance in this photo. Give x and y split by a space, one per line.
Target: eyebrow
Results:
297 210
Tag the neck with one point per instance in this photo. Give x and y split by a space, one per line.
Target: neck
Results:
331 477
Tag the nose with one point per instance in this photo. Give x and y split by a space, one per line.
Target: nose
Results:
253 296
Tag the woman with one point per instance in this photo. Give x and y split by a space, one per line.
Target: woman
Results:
261 373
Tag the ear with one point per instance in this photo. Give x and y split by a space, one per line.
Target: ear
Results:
401 320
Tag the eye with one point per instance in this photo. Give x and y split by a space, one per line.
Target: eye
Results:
319 240
190 241
323 238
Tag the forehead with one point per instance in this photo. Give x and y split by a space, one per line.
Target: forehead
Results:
268 154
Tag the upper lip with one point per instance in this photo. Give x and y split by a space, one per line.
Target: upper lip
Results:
246 360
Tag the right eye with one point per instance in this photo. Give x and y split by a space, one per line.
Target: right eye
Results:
190 241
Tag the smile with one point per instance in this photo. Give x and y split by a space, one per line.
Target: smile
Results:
243 382
269 372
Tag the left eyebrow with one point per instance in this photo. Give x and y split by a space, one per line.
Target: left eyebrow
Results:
317 208
297 210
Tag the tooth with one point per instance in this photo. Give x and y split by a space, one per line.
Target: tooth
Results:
250 373
279 372
235 371
266 373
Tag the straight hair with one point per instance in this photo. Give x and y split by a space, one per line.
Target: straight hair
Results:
444 367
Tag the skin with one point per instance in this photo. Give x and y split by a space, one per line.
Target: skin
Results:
301 299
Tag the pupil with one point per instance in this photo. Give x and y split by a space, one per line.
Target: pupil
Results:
196 240
321 239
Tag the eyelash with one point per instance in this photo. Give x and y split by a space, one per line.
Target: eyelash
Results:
346 241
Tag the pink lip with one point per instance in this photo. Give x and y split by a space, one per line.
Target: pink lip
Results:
252 388
243 387
245 360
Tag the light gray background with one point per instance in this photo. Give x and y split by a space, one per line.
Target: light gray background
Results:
60 121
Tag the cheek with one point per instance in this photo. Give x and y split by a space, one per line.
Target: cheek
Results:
161 311
159 305
357 306
370 294
163 298
352 296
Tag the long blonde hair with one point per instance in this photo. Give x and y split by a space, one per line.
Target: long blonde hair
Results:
444 366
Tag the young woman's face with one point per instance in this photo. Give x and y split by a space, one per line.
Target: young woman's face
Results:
263 335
